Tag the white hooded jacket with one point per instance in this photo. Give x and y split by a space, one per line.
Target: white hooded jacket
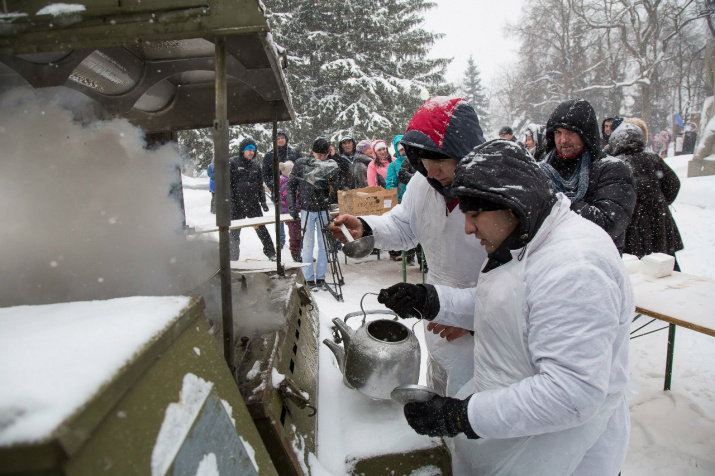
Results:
551 354
454 260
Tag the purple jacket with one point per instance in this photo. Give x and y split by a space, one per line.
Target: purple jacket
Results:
283 192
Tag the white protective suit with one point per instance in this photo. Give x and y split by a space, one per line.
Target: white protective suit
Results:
551 356
454 259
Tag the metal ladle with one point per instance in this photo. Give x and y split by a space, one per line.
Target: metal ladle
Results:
357 248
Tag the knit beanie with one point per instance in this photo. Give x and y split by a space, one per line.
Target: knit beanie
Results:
321 146
506 130
362 146
379 144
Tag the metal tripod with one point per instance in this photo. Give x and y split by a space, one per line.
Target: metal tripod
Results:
331 252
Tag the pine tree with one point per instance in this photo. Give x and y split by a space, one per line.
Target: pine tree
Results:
197 147
472 90
357 68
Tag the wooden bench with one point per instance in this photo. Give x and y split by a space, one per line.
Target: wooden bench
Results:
245 223
680 300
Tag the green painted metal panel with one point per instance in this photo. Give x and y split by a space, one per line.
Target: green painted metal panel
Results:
116 23
116 431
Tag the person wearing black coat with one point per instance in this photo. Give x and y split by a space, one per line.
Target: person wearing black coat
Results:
248 197
652 228
601 188
534 140
315 180
285 152
606 129
352 163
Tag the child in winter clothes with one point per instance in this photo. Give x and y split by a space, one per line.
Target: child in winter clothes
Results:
377 170
296 241
212 186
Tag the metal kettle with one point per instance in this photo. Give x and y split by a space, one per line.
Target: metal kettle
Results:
378 356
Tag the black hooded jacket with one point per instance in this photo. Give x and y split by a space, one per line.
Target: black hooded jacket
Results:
537 135
350 165
443 125
284 153
502 173
604 136
611 196
652 228
247 193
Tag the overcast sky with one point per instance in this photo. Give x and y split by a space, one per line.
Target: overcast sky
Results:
474 27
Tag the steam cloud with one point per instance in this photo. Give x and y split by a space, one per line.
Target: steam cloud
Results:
85 209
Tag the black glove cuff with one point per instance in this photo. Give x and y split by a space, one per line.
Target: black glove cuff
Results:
366 230
463 420
432 302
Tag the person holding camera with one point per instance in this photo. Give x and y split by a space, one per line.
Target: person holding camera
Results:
316 180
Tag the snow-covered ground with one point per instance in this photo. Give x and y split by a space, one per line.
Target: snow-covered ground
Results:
672 432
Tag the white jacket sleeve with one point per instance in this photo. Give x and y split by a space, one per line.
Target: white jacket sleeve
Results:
571 321
456 306
395 230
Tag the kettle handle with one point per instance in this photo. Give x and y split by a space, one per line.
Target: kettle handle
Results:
365 313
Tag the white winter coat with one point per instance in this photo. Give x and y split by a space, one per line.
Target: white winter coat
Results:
551 355
454 259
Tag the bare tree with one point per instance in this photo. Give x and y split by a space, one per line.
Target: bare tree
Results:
505 103
646 29
561 56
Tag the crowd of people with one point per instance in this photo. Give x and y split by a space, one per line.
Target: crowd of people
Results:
308 188
527 303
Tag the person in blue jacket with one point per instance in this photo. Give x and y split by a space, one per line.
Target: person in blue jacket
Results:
394 168
212 185
399 174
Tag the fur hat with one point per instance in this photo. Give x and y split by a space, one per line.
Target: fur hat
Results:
321 146
362 146
286 167
638 122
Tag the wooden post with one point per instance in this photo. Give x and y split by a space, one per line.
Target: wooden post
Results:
223 201
276 193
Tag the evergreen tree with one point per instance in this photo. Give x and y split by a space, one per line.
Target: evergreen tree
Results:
197 147
357 68
473 91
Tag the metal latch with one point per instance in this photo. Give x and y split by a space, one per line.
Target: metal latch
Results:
288 390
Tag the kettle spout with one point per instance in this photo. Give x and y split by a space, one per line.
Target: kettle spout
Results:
345 331
338 351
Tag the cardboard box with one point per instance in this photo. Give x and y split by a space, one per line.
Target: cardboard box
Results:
367 201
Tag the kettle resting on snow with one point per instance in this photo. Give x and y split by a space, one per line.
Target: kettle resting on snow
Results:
377 357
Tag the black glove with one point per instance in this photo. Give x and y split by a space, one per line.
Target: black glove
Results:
411 300
441 416
265 207
294 213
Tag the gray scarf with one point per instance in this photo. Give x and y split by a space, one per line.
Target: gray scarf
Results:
573 187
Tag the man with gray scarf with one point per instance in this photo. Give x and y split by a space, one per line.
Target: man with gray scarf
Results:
601 188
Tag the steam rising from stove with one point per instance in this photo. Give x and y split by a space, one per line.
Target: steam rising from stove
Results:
85 211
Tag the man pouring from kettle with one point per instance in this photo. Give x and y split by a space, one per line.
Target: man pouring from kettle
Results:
440 133
550 314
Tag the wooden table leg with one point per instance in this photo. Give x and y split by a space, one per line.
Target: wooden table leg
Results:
669 356
404 267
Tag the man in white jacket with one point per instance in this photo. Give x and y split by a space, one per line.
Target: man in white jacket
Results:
551 315
440 133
